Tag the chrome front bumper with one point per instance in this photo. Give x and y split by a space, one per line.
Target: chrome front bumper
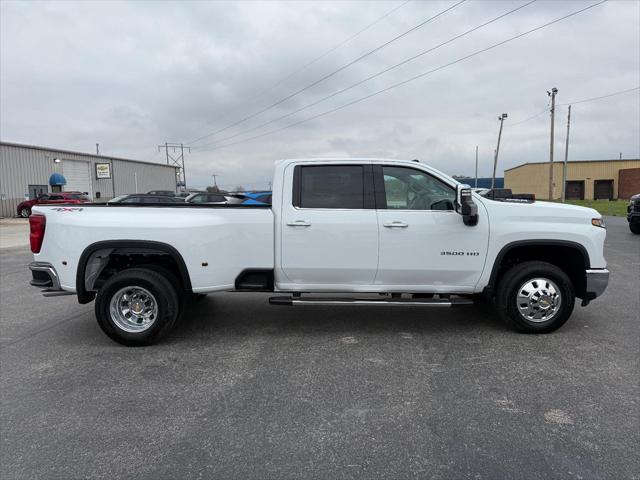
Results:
597 281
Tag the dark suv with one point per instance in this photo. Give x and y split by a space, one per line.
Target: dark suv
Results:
24 208
633 213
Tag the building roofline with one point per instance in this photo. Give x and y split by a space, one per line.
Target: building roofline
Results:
574 161
72 152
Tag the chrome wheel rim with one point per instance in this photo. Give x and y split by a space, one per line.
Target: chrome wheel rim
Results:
133 309
25 212
539 300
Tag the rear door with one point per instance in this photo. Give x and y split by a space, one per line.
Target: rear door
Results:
329 227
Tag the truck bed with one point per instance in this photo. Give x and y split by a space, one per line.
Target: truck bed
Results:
216 242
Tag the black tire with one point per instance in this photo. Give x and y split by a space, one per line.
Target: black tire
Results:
516 277
173 280
635 228
25 212
162 291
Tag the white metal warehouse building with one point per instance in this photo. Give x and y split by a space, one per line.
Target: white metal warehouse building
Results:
26 171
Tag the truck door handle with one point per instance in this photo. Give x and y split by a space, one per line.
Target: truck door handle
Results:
299 223
395 225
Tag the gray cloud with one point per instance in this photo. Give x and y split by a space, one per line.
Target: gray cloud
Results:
131 75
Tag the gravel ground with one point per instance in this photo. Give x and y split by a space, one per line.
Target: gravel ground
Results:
245 390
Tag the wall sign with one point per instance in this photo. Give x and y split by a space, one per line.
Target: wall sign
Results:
103 170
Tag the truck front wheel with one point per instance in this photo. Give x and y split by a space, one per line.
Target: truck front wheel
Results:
137 306
535 297
634 227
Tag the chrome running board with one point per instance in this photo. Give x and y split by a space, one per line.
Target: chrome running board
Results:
391 302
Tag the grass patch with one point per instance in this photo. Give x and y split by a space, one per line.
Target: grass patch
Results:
616 208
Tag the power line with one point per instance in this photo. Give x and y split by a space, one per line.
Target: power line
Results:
331 74
320 57
530 118
424 74
579 101
371 77
601 97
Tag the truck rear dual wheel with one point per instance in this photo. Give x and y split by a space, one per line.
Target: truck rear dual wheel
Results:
535 297
137 306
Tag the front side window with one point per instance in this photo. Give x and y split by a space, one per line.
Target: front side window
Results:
56 197
331 186
411 189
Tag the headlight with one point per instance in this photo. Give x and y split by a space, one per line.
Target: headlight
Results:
597 222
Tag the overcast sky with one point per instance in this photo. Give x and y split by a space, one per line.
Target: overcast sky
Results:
132 75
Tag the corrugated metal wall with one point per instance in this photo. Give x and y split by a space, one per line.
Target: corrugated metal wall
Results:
145 176
534 177
24 165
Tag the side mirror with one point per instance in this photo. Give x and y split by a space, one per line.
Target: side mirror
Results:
465 205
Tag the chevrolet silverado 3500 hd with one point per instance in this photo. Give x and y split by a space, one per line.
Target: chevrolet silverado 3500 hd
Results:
399 229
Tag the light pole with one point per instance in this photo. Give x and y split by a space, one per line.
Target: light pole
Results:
495 158
476 186
566 159
552 94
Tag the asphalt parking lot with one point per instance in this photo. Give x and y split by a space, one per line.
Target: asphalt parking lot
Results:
246 390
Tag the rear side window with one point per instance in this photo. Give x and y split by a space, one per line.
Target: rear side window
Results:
329 186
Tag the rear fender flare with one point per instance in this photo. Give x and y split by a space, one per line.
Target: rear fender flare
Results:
85 296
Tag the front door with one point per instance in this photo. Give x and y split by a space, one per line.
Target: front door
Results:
424 244
329 228
36 190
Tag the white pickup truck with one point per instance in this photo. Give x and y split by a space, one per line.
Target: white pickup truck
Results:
370 232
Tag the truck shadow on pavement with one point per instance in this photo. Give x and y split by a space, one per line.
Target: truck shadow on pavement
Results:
250 314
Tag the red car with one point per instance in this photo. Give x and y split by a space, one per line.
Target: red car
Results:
24 208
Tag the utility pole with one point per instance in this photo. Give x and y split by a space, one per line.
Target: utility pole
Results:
566 158
175 158
476 166
97 149
552 94
495 158
215 183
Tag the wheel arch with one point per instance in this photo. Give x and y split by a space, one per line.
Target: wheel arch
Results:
569 256
128 247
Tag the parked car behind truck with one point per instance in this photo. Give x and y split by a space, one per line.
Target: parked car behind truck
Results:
399 229
24 208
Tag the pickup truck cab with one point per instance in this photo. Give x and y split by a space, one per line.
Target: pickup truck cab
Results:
400 230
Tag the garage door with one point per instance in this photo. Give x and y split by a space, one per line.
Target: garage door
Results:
603 190
78 176
575 190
